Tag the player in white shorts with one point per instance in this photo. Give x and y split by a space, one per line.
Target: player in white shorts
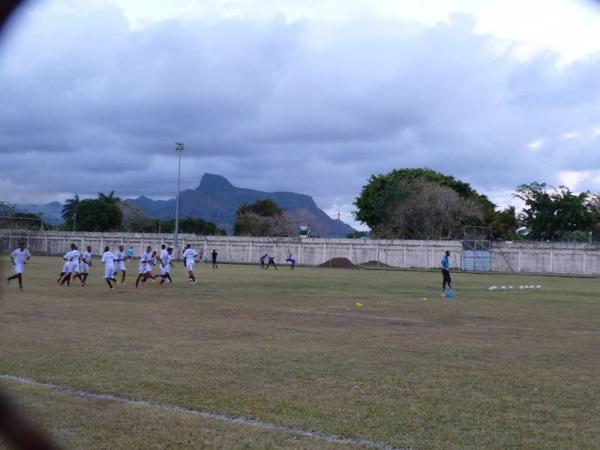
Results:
108 258
120 263
145 267
189 257
65 268
19 258
166 261
72 266
86 264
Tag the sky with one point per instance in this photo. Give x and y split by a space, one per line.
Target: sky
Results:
297 95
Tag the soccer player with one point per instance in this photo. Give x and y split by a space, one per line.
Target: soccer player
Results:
130 253
19 258
292 261
65 268
189 257
166 261
86 260
71 269
120 263
271 263
445 266
214 259
262 261
108 258
145 267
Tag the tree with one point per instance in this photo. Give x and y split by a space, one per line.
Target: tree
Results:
261 218
263 208
556 214
69 211
193 225
110 198
98 215
505 223
420 203
373 202
420 209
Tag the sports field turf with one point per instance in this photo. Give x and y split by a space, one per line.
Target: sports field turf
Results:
502 369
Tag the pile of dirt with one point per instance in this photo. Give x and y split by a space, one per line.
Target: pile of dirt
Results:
374 264
338 263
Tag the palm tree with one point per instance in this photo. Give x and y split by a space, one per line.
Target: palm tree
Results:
69 211
110 198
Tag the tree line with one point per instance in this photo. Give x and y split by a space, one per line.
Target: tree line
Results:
425 204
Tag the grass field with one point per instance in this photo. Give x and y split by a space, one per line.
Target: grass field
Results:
502 369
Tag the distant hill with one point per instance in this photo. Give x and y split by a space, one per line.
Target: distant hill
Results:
216 200
52 212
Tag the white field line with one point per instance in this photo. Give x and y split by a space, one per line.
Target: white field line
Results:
206 414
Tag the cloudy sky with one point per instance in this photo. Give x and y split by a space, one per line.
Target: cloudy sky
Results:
311 96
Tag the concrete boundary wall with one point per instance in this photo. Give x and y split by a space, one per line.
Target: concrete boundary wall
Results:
309 252
520 257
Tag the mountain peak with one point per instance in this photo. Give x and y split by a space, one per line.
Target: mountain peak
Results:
211 183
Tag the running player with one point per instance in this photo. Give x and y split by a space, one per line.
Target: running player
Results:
86 263
166 261
71 267
214 259
292 261
65 268
19 258
120 263
271 263
145 268
189 257
262 261
108 258
445 266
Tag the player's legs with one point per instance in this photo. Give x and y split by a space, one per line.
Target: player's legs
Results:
139 278
123 273
16 276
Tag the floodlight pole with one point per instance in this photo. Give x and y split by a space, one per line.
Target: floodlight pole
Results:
179 150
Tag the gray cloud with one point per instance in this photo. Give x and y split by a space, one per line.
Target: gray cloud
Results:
90 105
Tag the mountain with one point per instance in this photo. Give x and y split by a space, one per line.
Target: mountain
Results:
52 212
216 200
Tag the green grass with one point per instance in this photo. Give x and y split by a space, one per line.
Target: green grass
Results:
503 369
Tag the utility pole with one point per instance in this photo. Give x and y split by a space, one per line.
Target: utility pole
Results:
179 150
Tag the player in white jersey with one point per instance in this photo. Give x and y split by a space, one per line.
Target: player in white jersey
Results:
65 268
19 258
120 263
108 258
86 264
166 261
145 267
71 267
189 257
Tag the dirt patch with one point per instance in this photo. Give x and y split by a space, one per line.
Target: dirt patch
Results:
338 263
374 264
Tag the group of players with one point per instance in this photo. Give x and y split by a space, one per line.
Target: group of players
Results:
77 265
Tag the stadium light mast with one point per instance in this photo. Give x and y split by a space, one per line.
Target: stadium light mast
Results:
179 150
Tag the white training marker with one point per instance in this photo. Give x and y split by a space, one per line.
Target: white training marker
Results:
538 286
510 287
520 287
502 287
493 288
532 287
